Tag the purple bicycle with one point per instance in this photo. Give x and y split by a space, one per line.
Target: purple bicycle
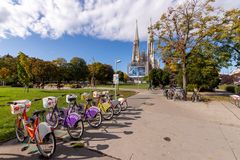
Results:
64 117
90 113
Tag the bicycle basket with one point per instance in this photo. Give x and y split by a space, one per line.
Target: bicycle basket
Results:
18 106
84 96
96 94
49 102
105 92
71 98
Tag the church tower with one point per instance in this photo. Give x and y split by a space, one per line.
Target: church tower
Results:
150 49
136 51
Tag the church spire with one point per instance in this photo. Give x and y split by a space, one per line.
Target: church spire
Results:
136 32
136 52
150 49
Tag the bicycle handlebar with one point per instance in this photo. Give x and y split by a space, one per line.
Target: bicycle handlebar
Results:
33 100
36 99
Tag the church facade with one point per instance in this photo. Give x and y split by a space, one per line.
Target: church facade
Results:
142 63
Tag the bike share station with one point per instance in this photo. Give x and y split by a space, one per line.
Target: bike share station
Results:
65 123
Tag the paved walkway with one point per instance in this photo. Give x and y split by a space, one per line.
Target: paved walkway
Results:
155 128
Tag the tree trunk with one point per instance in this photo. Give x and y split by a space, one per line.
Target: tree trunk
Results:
184 79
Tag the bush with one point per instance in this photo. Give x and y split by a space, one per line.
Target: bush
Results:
237 89
230 88
190 87
75 86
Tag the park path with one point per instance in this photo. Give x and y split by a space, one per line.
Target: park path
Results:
155 128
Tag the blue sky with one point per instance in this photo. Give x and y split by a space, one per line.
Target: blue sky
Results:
86 47
103 29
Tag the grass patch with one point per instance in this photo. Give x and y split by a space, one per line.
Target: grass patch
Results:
8 94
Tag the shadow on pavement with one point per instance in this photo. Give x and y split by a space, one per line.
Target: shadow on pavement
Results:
63 151
109 130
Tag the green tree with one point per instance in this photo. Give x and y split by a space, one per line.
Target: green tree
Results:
120 76
63 70
203 73
9 62
228 33
184 28
23 68
60 62
79 68
102 73
125 77
159 77
4 74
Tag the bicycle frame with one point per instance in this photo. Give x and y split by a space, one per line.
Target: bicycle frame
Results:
89 111
38 129
103 106
69 118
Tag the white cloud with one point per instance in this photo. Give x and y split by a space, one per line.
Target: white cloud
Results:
106 19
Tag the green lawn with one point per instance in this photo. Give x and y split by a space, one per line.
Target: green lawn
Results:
9 94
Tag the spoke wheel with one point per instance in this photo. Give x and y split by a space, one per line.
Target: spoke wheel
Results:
95 121
20 131
47 146
124 106
76 131
108 114
52 119
117 109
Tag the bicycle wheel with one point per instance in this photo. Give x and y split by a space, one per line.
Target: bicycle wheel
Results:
76 131
193 98
47 146
52 119
124 106
108 114
117 109
96 121
20 131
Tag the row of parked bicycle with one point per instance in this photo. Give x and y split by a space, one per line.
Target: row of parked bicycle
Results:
176 93
93 111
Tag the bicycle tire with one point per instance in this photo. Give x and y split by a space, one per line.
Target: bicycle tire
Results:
124 106
117 109
53 121
18 130
70 129
46 138
108 114
99 123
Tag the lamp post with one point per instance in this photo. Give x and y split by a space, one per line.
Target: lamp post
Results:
116 62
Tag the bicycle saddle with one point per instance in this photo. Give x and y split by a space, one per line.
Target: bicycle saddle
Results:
72 99
89 99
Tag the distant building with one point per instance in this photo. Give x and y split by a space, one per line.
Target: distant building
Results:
142 63
226 79
232 78
236 76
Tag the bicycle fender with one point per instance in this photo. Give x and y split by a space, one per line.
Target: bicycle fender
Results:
92 111
115 103
96 108
121 100
72 119
106 106
42 130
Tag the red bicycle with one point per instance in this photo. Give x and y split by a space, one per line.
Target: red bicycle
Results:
39 132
